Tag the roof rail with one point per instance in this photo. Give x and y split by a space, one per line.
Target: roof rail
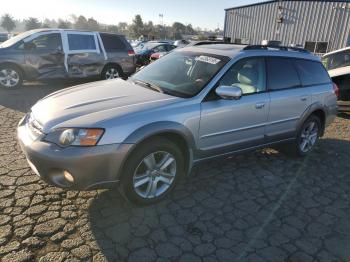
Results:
281 48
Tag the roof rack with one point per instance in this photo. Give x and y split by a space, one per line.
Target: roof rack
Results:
269 47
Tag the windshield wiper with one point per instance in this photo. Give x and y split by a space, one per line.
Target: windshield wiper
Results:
149 85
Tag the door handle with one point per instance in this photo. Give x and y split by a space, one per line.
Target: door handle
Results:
303 98
259 105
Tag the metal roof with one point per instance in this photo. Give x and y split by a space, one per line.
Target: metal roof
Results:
273 1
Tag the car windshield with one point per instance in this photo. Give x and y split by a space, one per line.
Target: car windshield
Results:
337 60
182 74
15 39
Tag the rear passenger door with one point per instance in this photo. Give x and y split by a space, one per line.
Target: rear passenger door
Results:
288 100
84 57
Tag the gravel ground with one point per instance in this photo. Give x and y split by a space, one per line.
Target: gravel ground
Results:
261 206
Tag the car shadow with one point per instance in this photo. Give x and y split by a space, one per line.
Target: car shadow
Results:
262 203
345 115
22 99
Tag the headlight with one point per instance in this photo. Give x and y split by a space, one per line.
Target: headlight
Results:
75 136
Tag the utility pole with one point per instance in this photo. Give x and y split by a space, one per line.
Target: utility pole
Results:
161 16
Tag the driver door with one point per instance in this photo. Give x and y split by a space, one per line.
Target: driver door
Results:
44 57
230 125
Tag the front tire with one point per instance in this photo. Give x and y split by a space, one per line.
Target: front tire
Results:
10 77
152 171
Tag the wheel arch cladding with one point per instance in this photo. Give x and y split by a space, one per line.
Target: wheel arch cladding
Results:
318 110
172 131
322 116
112 64
14 65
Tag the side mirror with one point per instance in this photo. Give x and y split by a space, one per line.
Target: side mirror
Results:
229 92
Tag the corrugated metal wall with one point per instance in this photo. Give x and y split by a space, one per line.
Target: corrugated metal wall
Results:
321 21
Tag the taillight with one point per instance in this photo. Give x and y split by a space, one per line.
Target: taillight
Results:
336 89
131 53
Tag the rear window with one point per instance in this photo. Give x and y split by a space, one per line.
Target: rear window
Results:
311 73
337 60
81 42
281 74
112 42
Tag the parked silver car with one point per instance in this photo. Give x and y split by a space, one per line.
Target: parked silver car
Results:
64 53
196 103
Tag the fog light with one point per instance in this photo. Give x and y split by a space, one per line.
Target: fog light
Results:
68 177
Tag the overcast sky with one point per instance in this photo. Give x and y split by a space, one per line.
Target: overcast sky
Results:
203 13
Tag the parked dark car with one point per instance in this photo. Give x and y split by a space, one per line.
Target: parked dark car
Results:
55 54
3 37
204 42
144 52
177 44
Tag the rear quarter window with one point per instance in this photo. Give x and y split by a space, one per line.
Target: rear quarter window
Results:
311 72
112 42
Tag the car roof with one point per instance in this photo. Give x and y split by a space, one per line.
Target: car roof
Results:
68 30
217 49
337 51
232 50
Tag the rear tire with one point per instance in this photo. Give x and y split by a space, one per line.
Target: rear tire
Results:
11 77
307 138
152 171
111 72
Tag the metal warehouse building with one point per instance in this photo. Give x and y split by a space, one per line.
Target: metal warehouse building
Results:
319 26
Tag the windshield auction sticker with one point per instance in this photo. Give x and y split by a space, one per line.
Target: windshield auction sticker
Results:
207 59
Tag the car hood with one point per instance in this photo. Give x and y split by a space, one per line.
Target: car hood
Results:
91 105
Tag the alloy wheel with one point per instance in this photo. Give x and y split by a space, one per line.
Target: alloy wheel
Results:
154 174
111 73
9 78
308 137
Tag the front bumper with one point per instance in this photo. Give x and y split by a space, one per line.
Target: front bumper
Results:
91 167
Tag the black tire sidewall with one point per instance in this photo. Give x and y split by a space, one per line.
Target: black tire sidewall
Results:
158 144
116 67
312 118
20 75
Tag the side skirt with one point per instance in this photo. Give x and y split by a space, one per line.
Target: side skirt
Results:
200 160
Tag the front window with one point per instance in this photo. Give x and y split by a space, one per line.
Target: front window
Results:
247 74
337 60
47 42
182 74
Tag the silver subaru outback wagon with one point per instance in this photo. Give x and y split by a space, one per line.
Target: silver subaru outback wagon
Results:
194 104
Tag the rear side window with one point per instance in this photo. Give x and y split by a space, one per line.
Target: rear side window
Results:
112 42
81 42
170 47
311 73
281 74
160 48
